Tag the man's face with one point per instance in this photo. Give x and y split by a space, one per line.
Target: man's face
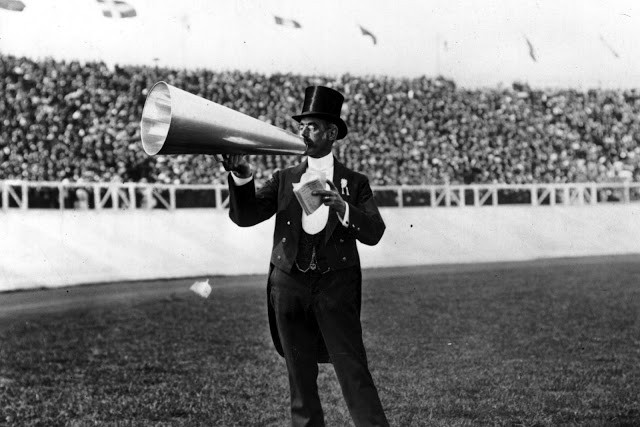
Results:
318 134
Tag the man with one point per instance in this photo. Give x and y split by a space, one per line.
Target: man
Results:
314 285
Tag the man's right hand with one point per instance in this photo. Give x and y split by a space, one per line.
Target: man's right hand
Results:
237 164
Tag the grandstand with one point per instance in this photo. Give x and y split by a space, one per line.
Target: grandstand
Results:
70 111
63 120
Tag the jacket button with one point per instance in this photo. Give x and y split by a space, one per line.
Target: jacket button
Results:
279 257
288 222
344 258
358 228
284 239
341 240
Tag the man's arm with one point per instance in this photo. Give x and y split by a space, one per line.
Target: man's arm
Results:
362 218
246 208
237 165
365 221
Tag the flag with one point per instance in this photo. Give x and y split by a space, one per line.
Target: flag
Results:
292 23
368 33
15 5
609 47
116 8
532 52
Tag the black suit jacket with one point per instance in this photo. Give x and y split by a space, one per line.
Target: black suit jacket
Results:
249 207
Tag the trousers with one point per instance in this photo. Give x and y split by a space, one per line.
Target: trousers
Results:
312 306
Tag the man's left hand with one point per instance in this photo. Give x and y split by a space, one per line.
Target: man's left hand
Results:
332 198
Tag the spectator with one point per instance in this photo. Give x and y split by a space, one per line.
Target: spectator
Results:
66 120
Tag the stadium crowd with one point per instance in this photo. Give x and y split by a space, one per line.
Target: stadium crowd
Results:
80 122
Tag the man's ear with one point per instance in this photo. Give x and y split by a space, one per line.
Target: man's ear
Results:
333 132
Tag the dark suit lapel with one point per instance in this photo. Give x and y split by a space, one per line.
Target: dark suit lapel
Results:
289 201
292 176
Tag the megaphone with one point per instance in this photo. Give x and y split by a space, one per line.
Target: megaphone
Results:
178 122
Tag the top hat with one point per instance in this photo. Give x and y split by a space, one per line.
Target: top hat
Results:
325 103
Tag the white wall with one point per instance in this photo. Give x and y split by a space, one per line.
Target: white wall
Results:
53 248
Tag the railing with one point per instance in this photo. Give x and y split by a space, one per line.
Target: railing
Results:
508 194
61 195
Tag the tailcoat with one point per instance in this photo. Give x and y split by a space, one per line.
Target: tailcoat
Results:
337 248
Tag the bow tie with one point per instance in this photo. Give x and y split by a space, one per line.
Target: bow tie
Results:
323 170
318 171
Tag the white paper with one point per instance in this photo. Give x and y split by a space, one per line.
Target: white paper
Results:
303 192
201 288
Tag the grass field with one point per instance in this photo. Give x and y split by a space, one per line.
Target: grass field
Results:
543 343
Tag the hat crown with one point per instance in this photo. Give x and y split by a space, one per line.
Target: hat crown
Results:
322 100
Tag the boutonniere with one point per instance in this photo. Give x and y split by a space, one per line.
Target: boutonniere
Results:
343 184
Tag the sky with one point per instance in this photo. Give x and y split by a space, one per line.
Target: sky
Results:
583 44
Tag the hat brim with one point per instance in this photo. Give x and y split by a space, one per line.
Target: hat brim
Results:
342 126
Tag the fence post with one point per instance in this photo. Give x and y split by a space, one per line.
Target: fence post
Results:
432 196
476 197
132 196
626 193
172 197
400 197
581 195
494 196
148 198
25 197
61 196
218 193
5 196
96 197
463 195
534 195
115 197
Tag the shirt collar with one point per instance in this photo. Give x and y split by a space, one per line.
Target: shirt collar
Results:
322 163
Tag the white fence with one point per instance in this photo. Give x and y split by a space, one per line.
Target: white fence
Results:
62 195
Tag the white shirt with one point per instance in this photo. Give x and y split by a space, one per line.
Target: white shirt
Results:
314 223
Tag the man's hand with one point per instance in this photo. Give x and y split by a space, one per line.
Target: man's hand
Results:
237 164
332 198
